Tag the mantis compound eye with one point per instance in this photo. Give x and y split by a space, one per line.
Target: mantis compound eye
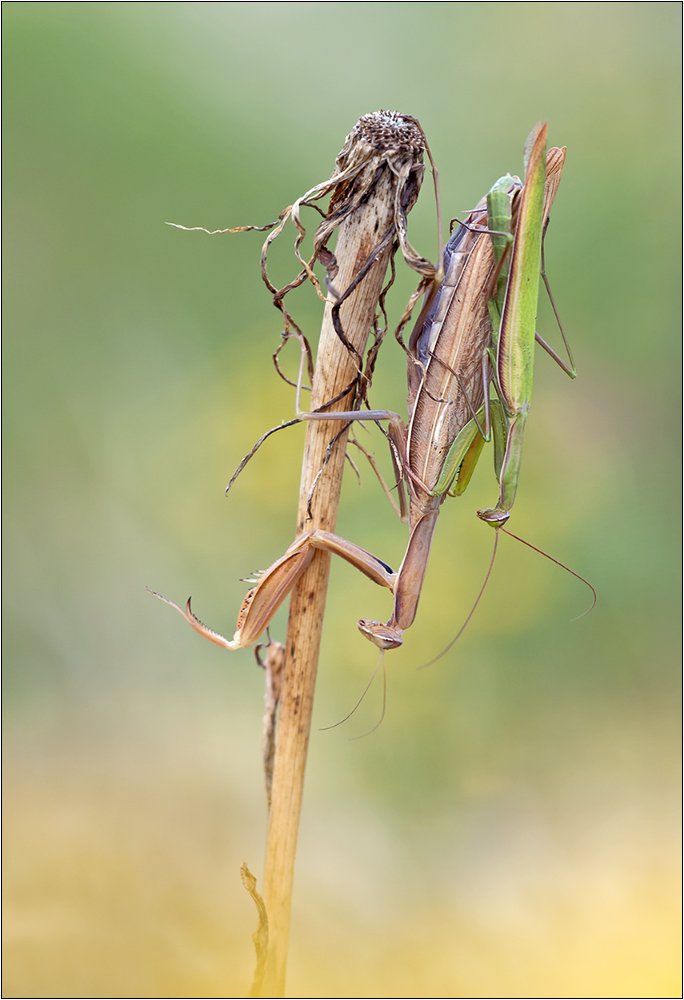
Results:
384 636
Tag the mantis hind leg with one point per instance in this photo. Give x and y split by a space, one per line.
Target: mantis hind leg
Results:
570 369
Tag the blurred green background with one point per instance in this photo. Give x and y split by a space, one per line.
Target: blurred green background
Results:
511 828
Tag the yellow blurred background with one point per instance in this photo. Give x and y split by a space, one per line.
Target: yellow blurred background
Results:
511 829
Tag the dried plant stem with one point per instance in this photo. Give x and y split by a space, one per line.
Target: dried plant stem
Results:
376 180
335 369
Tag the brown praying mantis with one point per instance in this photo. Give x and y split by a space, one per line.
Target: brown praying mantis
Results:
476 331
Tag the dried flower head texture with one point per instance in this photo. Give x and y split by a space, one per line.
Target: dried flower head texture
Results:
391 130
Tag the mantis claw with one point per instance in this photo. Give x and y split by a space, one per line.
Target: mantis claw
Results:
199 626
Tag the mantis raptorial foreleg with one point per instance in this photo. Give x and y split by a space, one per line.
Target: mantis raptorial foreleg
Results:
275 583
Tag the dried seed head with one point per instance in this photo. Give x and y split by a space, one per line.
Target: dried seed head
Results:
382 158
381 144
391 130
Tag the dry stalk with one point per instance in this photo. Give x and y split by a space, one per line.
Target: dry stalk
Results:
377 178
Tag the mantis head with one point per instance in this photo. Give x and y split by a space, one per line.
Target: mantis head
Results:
495 516
384 636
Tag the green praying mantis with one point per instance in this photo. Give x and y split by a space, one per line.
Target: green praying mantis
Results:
476 332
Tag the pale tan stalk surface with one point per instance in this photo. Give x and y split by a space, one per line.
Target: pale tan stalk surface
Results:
336 367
